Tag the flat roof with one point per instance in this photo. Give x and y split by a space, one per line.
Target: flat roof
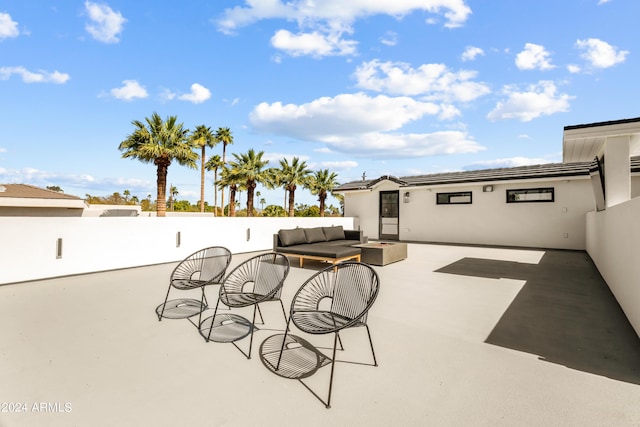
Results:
463 336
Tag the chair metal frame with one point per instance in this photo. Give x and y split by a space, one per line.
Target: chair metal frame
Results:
352 288
202 268
257 280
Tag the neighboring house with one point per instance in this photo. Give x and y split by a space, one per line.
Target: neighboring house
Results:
541 206
27 200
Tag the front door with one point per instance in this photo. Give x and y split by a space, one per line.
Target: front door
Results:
389 210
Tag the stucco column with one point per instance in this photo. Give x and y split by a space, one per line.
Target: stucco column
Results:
616 170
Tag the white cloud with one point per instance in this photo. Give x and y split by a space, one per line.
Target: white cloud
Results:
533 57
198 94
75 184
322 25
407 145
40 76
336 166
601 54
507 163
390 38
314 43
433 81
600 2
471 53
3 150
8 27
361 125
274 158
537 100
305 12
573 68
106 25
130 90
167 94
341 115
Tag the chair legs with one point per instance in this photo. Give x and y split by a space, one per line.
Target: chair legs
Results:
166 298
336 340
333 364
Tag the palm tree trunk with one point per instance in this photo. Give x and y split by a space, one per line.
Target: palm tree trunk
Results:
292 196
161 202
202 182
224 162
250 190
322 197
215 192
232 200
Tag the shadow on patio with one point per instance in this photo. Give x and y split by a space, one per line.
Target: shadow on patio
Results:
565 314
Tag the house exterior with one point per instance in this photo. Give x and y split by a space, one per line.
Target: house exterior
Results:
542 206
27 200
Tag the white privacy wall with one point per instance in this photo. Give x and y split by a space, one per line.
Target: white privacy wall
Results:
613 242
29 244
489 220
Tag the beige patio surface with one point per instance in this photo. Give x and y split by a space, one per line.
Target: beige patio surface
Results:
469 336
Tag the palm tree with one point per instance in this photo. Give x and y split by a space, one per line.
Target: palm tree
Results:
203 137
173 193
262 202
293 174
249 168
321 183
275 179
229 178
224 135
159 142
214 163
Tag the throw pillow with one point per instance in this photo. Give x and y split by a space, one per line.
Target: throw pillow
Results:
314 235
334 233
295 236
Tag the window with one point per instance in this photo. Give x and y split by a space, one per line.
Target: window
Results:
531 195
460 198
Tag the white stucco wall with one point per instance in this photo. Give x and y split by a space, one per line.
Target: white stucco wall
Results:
613 242
29 245
489 219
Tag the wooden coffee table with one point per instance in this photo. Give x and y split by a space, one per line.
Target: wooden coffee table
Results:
382 253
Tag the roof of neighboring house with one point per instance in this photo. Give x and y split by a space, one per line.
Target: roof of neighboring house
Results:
28 196
25 191
549 170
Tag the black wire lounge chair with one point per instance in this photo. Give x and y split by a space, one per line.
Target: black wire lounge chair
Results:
200 269
255 281
333 299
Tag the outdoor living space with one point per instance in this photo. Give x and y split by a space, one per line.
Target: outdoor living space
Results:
464 335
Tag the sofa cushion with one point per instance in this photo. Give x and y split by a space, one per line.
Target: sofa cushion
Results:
333 233
314 235
294 236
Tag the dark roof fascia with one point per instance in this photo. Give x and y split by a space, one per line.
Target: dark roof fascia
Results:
520 173
597 124
553 170
367 184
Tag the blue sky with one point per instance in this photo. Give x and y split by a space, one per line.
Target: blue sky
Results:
371 87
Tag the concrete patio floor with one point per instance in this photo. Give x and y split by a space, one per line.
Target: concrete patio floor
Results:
463 335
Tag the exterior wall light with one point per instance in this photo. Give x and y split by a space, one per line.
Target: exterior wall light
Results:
487 189
407 197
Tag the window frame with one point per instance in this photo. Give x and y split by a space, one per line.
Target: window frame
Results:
455 194
538 190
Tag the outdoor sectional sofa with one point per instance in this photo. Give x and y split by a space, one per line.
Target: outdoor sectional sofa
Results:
332 244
